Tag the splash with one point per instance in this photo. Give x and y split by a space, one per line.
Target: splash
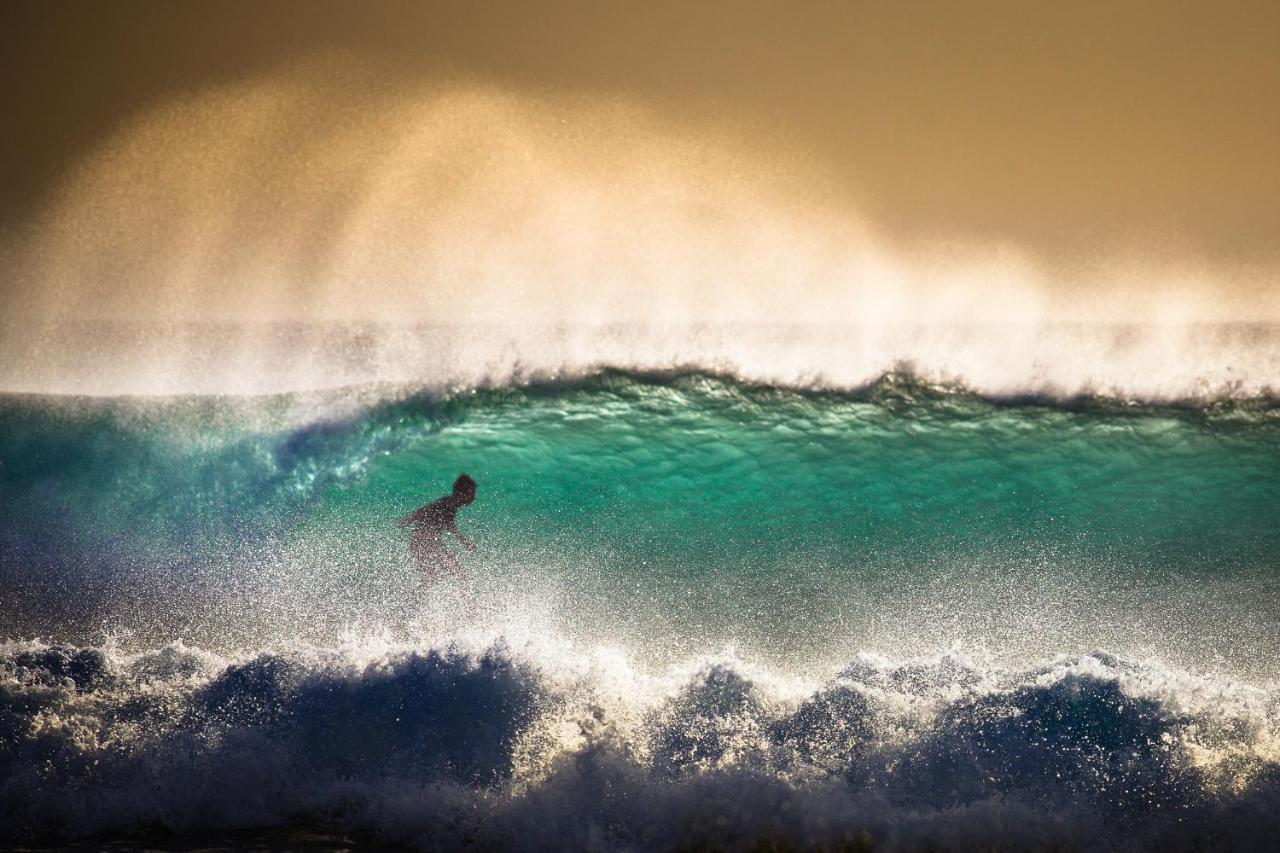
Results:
561 747
295 232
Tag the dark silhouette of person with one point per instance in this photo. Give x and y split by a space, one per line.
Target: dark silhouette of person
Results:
429 523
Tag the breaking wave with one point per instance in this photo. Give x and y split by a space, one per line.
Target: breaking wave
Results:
524 749
678 570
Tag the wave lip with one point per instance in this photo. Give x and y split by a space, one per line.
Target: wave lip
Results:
509 750
1197 363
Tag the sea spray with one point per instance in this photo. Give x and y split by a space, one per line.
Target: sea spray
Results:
534 748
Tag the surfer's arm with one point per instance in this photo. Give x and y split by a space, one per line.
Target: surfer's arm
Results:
410 518
466 543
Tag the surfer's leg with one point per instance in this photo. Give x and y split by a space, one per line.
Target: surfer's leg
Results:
426 580
453 566
432 562
428 560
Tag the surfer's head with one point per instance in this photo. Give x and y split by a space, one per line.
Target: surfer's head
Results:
464 489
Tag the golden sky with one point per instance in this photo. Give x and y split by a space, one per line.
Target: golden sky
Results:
1067 130
878 164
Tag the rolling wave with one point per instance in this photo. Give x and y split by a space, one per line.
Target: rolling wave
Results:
680 576
903 515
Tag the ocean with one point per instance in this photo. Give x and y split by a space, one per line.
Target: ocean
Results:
712 611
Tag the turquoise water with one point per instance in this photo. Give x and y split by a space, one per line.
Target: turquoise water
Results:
687 507
707 614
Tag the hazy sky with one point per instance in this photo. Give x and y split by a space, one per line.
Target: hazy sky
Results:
1064 127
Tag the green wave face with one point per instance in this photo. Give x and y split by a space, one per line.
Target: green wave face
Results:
672 512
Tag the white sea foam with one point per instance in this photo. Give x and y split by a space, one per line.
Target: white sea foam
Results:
551 745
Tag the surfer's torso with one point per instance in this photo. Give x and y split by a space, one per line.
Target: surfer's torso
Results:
432 520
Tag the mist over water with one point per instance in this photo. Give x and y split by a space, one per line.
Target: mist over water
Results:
313 222
1058 361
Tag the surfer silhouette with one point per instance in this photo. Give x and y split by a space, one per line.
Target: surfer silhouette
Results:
429 523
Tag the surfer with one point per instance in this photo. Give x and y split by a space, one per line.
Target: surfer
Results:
430 522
